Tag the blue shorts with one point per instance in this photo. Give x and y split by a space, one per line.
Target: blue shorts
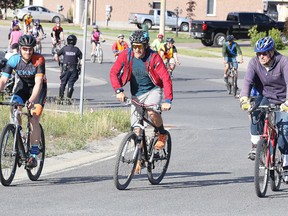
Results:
233 60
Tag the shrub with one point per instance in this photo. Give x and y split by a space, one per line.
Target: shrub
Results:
255 35
274 33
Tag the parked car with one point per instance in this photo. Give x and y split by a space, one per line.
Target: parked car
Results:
153 19
39 12
212 32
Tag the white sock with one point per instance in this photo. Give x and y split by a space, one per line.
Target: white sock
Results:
255 139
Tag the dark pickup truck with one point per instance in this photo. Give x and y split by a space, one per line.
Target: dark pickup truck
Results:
237 23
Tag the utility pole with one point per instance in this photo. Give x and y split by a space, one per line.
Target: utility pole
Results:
84 55
162 17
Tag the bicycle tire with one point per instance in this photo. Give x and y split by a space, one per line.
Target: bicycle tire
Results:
93 58
8 156
126 161
229 85
275 174
35 172
235 87
261 171
158 168
100 56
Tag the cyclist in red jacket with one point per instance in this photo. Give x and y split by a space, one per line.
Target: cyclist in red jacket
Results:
148 77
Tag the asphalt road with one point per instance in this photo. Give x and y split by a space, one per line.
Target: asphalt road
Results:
209 173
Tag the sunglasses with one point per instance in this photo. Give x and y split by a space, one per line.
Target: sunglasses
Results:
262 53
29 49
139 46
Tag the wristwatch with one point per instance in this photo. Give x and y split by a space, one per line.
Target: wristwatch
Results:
119 90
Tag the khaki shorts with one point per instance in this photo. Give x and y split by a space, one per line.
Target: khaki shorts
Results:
153 97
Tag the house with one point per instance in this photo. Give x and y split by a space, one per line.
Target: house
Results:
118 11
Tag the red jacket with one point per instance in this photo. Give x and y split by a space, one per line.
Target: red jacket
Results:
155 67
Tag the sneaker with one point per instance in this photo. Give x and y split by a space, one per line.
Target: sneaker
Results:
252 152
32 162
160 144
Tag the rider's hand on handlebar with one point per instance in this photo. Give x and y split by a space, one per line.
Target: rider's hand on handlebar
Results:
165 106
121 97
245 103
284 106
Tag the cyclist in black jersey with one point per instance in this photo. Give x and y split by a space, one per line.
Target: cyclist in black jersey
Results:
30 86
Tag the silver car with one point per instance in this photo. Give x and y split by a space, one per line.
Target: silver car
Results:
40 13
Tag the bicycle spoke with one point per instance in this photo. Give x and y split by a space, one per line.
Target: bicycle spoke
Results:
261 169
125 162
158 166
8 155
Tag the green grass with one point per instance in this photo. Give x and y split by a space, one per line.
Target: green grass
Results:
67 132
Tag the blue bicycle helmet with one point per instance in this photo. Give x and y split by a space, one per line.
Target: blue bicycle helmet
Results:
139 36
230 38
264 44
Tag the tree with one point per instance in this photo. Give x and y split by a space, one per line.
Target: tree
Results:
11 4
191 8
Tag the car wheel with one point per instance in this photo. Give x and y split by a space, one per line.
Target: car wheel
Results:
56 19
207 42
219 39
184 27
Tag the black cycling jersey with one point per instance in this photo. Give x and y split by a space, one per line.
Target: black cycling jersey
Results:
25 75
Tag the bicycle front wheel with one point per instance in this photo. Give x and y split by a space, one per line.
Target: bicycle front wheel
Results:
35 172
8 156
275 173
93 58
126 161
100 56
156 169
261 170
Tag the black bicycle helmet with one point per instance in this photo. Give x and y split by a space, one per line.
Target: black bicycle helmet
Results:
139 36
230 38
71 39
170 40
27 40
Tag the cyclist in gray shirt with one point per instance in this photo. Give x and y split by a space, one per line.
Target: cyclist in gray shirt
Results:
268 72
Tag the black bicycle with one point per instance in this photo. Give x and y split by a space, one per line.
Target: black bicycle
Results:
138 147
15 146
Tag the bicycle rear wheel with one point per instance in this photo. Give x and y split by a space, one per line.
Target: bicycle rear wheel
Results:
126 161
156 170
100 56
275 174
235 87
8 156
261 170
35 172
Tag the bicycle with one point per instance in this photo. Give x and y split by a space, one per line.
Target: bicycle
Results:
139 147
268 161
98 53
232 86
38 47
15 147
